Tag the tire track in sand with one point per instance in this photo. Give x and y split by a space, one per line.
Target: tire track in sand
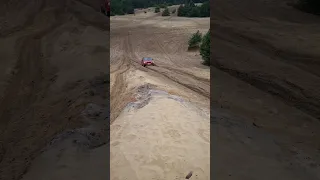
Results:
118 92
27 81
166 53
29 84
130 60
202 86
205 92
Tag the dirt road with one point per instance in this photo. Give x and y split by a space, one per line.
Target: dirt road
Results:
54 62
266 89
160 114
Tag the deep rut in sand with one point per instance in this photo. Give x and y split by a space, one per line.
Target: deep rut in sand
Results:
27 86
118 92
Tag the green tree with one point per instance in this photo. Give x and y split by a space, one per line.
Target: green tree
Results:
191 3
126 6
164 5
181 11
195 40
189 9
120 7
116 7
157 9
205 48
195 12
205 9
166 12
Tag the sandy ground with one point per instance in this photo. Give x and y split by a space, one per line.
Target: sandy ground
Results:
54 66
164 132
164 139
266 84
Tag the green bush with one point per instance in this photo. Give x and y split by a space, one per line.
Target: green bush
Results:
180 10
163 5
157 9
195 12
195 40
166 12
130 10
205 48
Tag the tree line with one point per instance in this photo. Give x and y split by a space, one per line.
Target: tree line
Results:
121 7
189 9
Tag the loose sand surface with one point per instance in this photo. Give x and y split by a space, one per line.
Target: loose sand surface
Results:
164 139
164 132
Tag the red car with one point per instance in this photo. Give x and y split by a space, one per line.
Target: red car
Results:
105 7
147 61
